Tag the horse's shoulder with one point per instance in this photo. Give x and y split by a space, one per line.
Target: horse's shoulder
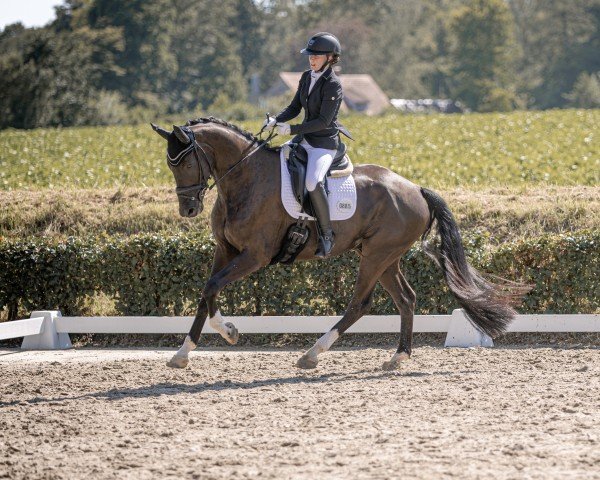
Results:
217 216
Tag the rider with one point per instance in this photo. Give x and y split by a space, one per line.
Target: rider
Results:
320 93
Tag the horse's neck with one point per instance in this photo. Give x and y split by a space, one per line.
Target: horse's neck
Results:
237 176
227 147
255 176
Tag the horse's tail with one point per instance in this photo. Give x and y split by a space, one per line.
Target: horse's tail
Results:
489 306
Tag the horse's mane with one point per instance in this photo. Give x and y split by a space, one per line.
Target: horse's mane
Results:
246 134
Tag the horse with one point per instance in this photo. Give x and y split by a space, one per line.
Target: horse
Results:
249 224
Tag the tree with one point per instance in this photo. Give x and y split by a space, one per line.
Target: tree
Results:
206 50
147 63
586 91
480 56
558 41
53 75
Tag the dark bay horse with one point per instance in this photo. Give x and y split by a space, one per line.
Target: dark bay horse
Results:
249 223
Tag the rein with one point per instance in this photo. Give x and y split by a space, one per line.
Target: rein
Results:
197 191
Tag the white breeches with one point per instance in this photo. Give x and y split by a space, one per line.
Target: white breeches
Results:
319 161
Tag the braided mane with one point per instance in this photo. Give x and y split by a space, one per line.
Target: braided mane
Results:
246 134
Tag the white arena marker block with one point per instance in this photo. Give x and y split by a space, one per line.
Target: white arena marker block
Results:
461 333
49 338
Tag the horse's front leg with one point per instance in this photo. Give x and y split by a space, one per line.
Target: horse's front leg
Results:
223 255
235 268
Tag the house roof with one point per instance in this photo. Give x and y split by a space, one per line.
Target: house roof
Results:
361 92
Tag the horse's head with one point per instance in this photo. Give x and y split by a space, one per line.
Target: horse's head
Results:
190 165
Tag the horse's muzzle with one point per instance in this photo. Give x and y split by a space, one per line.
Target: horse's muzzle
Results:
191 200
189 208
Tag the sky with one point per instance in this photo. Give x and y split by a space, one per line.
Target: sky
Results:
31 13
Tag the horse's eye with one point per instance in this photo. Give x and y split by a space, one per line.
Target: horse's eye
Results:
188 164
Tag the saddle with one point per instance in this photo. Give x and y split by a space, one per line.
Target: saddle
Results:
297 160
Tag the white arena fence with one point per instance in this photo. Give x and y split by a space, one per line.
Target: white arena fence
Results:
49 330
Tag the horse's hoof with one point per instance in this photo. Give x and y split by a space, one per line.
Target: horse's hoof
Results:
178 362
232 334
396 361
307 362
391 365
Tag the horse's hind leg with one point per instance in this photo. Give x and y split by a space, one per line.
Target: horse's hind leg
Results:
404 298
368 273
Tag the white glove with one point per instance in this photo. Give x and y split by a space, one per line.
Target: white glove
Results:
283 128
270 122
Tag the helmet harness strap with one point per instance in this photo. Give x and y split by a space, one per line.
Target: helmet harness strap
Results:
326 64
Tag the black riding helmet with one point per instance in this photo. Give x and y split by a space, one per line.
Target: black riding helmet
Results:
321 44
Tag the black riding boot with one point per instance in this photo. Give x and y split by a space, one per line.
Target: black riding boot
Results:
318 199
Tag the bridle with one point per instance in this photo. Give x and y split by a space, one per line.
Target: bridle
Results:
197 191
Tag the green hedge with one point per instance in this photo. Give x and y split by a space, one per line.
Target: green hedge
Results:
153 275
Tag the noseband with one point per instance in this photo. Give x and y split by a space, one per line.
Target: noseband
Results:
197 191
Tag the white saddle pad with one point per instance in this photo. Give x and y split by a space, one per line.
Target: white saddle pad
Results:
342 194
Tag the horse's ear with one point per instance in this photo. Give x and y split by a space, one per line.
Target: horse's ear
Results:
181 135
161 131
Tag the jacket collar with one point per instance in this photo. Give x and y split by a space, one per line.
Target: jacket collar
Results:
326 74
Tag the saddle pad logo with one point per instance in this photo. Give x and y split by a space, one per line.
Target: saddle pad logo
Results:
344 205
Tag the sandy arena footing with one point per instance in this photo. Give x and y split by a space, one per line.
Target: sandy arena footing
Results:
502 413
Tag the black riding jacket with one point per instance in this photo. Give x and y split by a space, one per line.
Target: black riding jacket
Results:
319 127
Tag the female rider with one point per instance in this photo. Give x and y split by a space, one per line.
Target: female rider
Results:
320 94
